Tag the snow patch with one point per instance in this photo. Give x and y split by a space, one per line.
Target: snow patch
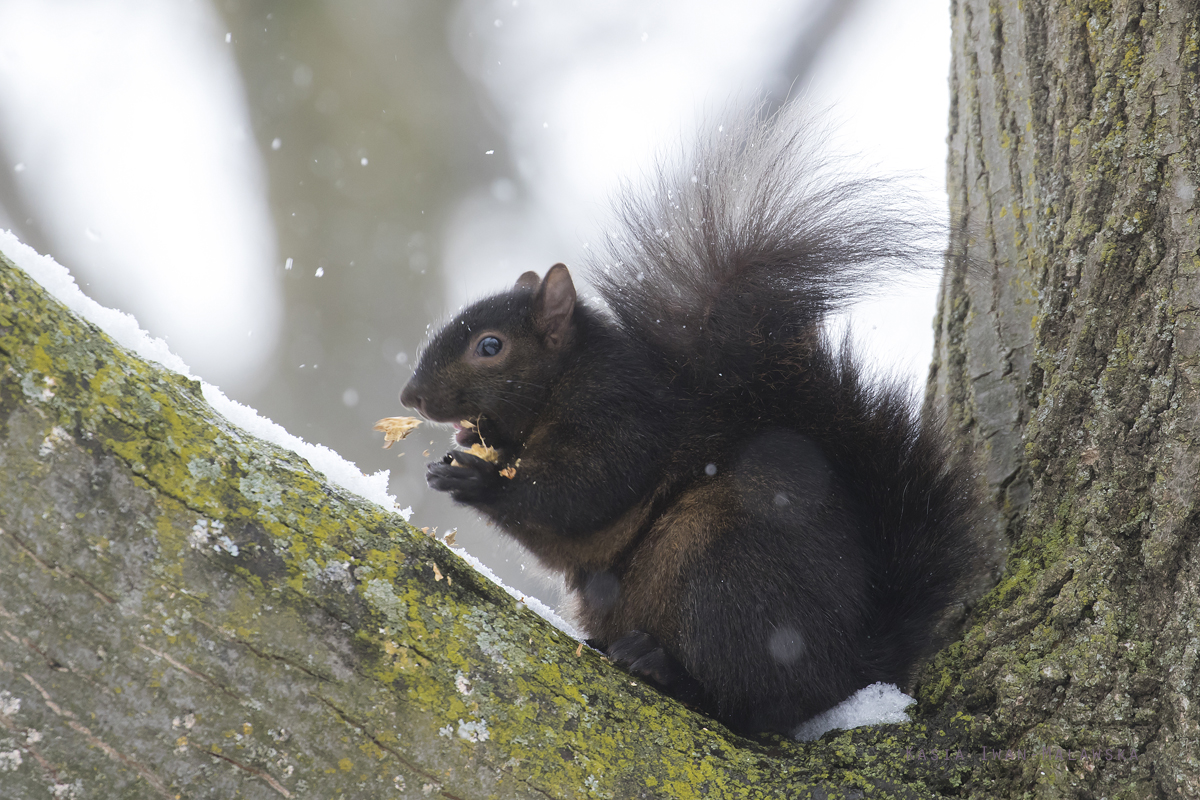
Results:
876 704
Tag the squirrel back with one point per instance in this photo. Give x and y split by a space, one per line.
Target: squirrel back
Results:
746 520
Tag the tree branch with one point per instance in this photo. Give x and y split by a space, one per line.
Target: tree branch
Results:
187 611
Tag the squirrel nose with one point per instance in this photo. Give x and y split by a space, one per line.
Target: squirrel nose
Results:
410 398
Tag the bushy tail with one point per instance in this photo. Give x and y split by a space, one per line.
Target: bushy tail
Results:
754 239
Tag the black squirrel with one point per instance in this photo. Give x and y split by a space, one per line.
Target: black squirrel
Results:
746 520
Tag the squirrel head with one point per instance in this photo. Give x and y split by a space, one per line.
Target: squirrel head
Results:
495 363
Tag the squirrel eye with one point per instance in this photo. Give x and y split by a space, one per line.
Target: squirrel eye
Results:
488 346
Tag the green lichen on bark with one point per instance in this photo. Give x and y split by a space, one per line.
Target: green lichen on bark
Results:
188 611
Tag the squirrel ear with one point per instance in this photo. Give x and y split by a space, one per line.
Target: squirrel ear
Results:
529 280
554 304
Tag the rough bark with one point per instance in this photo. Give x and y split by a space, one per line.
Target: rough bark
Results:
1071 361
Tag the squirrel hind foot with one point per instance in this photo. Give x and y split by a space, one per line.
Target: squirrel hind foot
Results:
641 655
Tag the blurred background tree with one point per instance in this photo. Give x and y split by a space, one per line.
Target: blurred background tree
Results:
292 193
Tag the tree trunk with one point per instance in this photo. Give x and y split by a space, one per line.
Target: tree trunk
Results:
1071 362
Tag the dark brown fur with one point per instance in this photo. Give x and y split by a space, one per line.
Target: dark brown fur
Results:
744 519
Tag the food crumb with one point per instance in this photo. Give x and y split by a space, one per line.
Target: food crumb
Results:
395 428
489 454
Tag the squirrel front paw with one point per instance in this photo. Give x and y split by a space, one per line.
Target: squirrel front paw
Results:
467 478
